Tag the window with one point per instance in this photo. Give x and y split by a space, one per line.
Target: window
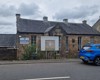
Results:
91 39
24 40
98 47
73 40
67 43
59 42
33 40
79 43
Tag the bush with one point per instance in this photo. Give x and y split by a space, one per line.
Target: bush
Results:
29 52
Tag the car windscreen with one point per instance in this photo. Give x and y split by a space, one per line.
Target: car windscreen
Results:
86 47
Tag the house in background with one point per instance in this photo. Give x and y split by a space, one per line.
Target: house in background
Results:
8 49
97 25
72 36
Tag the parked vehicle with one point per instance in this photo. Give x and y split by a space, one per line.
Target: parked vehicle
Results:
90 52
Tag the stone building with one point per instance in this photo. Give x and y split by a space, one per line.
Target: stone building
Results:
97 25
72 36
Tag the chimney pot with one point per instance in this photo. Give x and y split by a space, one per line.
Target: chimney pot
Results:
45 18
84 21
17 16
65 21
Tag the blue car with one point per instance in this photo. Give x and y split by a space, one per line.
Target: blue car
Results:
90 52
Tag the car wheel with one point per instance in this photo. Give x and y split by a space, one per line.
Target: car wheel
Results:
85 61
97 61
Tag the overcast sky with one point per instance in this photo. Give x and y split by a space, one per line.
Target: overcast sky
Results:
56 10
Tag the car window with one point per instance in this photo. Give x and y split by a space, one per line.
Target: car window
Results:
98 47
86 47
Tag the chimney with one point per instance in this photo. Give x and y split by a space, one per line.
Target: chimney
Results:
84 22
65 21
17 16
45 18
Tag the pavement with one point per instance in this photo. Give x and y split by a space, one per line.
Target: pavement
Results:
38 61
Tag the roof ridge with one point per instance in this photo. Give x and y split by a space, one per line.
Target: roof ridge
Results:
50 21
30 19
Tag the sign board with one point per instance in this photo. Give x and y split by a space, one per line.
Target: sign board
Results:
49 43
24 40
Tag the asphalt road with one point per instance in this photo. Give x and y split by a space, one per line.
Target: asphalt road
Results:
50 71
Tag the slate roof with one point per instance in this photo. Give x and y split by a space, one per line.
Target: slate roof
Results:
8 40
48 29
37 26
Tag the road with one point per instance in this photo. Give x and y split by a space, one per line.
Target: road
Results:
50 71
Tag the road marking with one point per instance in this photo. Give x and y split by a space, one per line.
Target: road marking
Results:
66 77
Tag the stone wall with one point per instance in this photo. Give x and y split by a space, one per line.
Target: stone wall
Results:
97 39
20 50
97 26
72 44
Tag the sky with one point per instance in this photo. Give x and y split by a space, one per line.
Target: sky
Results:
56 10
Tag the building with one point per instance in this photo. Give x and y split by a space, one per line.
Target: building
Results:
8 49
97 25
72 36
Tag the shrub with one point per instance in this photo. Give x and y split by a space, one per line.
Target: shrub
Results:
29 52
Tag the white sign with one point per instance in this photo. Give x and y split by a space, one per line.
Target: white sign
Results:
24 40
49 43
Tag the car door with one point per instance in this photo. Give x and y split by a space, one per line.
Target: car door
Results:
98 50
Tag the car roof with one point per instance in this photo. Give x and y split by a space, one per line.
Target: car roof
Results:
96 44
